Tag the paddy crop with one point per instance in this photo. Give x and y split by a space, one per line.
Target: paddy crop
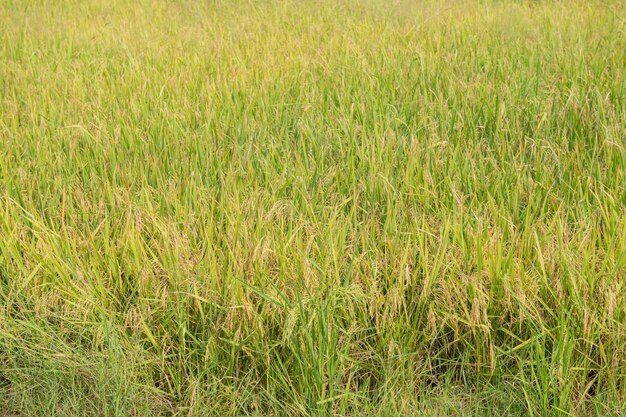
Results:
312 208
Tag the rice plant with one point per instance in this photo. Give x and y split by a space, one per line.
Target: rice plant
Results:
312 208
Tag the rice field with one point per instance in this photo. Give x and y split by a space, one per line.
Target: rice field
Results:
312 208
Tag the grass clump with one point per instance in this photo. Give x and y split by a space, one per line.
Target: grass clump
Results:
312 208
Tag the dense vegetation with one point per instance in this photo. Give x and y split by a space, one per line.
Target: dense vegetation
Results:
312 208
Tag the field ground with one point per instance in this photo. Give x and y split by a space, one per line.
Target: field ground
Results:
312 208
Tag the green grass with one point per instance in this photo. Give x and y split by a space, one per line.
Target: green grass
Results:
312 208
